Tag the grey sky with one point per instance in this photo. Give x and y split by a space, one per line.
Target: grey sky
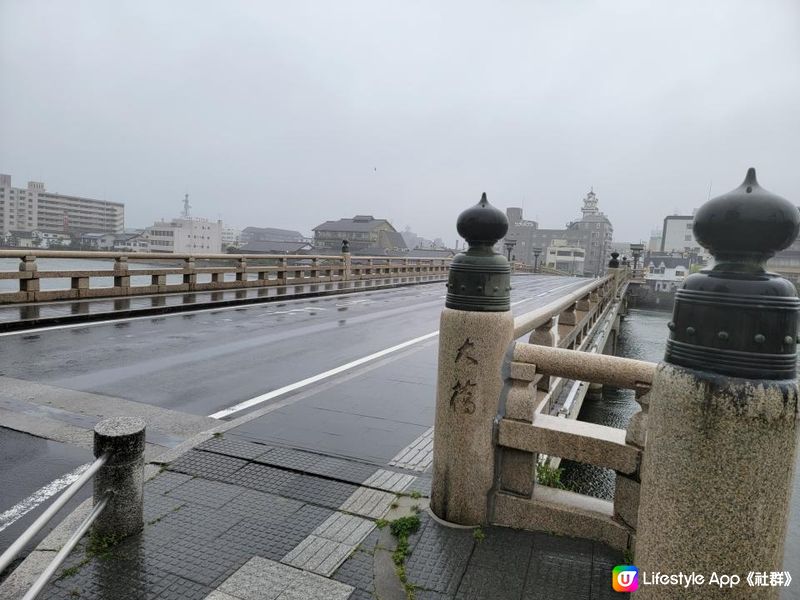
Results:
291 113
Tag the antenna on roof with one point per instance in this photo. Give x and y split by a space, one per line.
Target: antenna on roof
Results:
186 206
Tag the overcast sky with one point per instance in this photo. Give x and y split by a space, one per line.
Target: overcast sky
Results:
290 113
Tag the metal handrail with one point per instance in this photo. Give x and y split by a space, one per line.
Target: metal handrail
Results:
47 515
59 558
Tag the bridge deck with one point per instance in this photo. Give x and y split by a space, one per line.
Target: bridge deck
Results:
351 378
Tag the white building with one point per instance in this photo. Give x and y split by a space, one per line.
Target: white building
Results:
35 209
567 259
666 273
185 235
231 237
677 235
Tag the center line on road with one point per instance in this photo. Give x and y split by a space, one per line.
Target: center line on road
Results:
225 412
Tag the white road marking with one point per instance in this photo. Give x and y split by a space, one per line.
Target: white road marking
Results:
19 510
225 412
260 399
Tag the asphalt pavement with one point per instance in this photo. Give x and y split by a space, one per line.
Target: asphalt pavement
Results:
350 375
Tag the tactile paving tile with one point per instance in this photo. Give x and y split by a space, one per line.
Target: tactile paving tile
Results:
124 580
421 485
195 520
164 482
264 478
157 507
196 559
318 555
343 528
317 490
208 465
318 464
289 458
558 576
344 470
236 448
418 456
263 506
501 547
440 557
213 494
369 503
357 571
488 584
390 481
274 539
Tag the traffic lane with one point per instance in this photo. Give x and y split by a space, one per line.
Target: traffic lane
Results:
202 385
369 415
135 340
28 467
224 357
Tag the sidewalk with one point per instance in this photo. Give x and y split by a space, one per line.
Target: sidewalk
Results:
237 520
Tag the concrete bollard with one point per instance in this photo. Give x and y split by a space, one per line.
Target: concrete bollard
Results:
474 335
722 429
122 476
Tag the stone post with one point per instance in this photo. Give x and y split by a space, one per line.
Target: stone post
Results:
241 269
346 260
722 428
475 332
189 275
122 277
27 265
122 477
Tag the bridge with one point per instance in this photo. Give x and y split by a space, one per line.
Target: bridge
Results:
282 433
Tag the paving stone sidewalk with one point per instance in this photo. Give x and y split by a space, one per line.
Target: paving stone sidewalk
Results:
237 520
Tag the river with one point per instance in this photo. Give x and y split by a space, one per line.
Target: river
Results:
643 335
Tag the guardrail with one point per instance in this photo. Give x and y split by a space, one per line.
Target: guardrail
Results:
117 511
199 272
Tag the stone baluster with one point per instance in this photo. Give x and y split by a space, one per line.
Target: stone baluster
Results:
29 282
722 429
475 332
122 278
241 269
282 272
189 275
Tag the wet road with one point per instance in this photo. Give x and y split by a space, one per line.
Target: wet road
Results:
204 362
27 465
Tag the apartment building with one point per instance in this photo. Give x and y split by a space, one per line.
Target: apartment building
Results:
33 208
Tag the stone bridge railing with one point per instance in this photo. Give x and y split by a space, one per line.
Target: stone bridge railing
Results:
703 471
525 431
130 274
